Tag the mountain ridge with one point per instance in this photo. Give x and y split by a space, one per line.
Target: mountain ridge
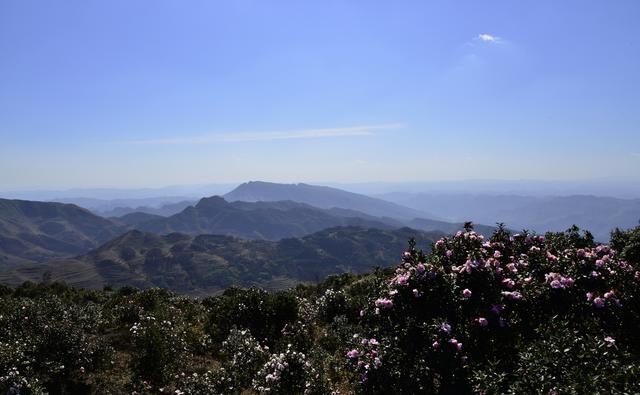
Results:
206 264
323 197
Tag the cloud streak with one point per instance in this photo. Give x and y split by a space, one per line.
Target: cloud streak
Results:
488 38
367 130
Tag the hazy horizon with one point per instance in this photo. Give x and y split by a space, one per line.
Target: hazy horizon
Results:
539 188
342 91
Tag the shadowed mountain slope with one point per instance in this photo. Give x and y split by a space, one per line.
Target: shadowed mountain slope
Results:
39 231
208 263
258 220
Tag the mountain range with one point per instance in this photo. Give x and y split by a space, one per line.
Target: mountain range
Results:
38 231
272 235
324 197
552 213
206 264
256 220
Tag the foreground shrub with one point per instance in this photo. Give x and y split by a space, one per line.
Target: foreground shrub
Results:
513 313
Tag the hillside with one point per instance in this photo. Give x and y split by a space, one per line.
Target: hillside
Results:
324 197
259 220
39 231
208 263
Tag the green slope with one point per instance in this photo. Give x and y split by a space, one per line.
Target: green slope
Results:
208 263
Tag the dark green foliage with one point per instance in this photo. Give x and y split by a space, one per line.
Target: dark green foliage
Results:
388 332
264 314
627 243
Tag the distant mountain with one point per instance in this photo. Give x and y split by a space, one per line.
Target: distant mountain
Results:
598 214
257 220
136 218
165 210
103 207
429 225
40 231
206 264
324 197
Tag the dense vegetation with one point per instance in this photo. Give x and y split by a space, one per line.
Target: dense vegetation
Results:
516 313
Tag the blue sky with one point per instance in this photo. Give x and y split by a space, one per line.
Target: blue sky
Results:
151 93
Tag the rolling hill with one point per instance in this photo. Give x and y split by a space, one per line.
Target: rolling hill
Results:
39 231
205 264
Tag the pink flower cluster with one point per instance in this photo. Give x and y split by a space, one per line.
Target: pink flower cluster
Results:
366 356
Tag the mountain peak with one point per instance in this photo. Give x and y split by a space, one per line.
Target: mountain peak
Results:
211 202
323 197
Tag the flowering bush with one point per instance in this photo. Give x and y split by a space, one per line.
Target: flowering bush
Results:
510 313
288 372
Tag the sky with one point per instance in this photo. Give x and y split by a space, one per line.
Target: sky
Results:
152 93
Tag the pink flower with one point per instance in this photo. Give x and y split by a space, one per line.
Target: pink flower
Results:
599 263
446 328
384 303
515 295
509 283
589 296
416 293
449 253
610 340
482 321
567 281
420 268
609 295
439 243
555 284
497 254
402 280
598 302
435 345
373 342
353 354
466 293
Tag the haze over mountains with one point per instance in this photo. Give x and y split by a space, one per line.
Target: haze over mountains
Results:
324 197
553 213
254 228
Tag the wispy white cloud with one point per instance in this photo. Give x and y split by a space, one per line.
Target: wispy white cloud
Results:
636 154
488 38
366 130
